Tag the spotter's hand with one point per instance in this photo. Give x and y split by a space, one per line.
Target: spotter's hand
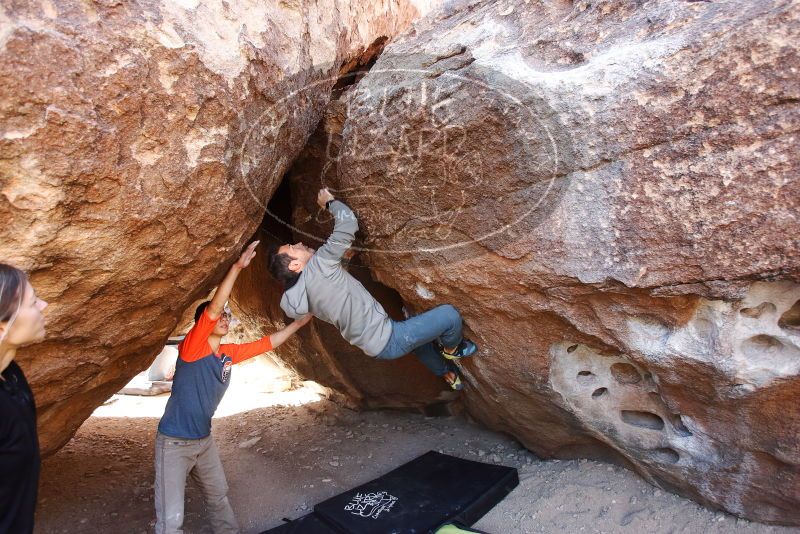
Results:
248 254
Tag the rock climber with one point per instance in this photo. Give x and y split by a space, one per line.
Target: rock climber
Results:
184 445
315 282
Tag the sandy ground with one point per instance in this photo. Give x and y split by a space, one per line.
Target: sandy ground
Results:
284 452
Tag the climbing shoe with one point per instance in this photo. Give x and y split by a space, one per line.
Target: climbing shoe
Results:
465 348
456 528
455 383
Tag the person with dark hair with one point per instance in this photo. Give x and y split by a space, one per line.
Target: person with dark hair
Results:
184 445
21 323
315 282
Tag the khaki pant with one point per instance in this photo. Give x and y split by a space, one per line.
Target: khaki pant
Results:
176 458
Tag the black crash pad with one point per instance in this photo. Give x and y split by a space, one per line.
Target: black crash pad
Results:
416 498
308 524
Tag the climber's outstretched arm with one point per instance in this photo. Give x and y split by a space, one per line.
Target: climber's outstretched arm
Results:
344 228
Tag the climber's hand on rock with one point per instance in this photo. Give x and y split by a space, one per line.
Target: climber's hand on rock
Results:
304 320
323 197
248 254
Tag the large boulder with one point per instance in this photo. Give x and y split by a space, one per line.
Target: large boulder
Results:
140 142
608 192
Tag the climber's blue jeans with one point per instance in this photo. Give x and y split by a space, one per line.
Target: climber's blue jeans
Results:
418 333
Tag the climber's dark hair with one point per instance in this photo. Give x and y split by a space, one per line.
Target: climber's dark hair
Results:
279 267
199 310
12 290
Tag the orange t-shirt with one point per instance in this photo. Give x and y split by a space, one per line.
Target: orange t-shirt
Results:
195 345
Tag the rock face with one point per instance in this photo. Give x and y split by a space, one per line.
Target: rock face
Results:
138 147
608 191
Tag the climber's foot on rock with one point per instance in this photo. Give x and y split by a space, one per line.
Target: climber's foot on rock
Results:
464 349
453 380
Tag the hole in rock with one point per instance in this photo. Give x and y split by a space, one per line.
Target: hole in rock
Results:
677 424
770 353
790 320
649 380
642 419
665 455
585 377
351 72
277 219
625 373
762 344
572 348
599 392
757 311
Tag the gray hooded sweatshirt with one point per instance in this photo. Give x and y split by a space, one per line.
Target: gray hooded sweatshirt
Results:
330 293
